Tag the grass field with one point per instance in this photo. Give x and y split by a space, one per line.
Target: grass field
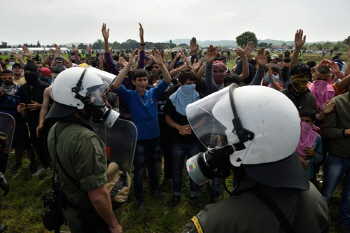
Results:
21 207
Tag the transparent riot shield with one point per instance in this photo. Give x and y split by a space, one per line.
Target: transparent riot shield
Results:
120 141
7 129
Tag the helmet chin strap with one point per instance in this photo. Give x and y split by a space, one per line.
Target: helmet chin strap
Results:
242 133
78 88
223 170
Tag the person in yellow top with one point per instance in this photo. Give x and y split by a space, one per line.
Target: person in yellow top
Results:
17 73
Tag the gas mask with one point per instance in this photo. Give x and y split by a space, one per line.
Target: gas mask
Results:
240 128
215 162
93 100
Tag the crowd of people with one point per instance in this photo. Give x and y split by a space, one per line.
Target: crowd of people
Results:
154 96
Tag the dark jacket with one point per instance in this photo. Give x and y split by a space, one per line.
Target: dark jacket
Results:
306 211
335 124
306 100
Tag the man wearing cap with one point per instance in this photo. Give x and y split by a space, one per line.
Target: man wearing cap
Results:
18 77
275 59
45 75
30 100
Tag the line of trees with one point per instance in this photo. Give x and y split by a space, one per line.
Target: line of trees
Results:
241 40
37 45
132 44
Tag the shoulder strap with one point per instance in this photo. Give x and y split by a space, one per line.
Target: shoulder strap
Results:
76 183
121 183
275 209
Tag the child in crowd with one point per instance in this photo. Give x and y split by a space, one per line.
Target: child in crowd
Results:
269 79
310 144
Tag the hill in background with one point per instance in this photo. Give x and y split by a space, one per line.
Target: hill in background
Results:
232 43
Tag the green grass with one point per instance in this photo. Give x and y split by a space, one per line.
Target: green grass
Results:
21 207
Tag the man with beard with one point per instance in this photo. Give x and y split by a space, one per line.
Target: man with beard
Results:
30 101
17 72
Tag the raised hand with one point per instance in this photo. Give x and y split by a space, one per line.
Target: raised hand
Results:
248 49
299 39
133 56
196 65
26 51
157 58
182 56
75 49
188 63
193 46
20 54
324 62
89 48
211 54
16 55
57 51
261 57
141 32
240 52
105 32
178 54
52 52
334 67
122 62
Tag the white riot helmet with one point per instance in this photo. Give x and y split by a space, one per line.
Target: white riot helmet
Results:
252 127
78 88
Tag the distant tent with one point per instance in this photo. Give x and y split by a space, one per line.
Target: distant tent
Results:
33 49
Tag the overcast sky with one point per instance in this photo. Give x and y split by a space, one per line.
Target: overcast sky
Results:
65 21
